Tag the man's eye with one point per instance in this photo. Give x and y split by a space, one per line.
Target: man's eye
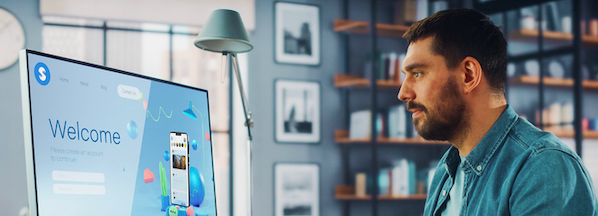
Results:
417 74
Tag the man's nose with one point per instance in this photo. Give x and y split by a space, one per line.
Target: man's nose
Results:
406 93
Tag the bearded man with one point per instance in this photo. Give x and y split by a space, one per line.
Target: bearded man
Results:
499 163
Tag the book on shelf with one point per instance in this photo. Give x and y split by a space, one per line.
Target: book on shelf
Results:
409 11
360 124
360 184
388 67
397 122
436 6
384 181
393 122
403 179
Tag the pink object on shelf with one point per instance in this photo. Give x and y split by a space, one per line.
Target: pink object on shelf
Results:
594 27
190 211
585 124
148 176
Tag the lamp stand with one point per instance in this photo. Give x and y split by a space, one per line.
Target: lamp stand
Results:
231 57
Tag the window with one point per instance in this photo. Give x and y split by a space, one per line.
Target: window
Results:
83 44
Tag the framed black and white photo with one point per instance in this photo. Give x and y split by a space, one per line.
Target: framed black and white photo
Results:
297 111
296 189
297 33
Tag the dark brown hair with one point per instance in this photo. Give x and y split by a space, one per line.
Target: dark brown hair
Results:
459 33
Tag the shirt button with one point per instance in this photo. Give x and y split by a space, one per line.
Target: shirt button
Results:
443 192
479 168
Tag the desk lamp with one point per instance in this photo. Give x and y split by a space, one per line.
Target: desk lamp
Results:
225 33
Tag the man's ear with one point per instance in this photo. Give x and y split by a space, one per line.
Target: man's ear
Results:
472 74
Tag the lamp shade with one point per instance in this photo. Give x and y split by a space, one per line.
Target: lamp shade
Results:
224 32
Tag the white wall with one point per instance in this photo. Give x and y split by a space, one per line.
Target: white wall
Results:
262 73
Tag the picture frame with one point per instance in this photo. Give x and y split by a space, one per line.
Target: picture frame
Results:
297 33
296 189
297 111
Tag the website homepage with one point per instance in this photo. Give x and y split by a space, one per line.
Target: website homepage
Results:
102 143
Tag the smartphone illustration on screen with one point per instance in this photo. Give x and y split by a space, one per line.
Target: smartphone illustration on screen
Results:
179 169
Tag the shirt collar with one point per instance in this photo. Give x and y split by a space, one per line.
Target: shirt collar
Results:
478 158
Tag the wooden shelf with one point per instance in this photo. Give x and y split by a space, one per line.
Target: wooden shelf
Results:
362 27
523 35
342 137
347 192
408 197
352 81
381 197
551 37
567 133
549 81
588 134
589 41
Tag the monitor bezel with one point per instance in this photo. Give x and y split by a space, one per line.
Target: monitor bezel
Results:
27 121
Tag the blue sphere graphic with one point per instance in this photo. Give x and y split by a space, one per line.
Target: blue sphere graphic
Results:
132 129
198 190
166 156
194 144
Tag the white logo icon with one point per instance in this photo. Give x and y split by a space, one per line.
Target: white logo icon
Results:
42 74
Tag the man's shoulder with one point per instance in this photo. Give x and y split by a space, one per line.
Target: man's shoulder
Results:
530 138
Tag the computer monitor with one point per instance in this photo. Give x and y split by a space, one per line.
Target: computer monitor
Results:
101 141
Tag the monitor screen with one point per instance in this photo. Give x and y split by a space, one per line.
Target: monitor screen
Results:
101 141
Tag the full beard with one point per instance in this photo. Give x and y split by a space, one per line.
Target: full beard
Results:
447 119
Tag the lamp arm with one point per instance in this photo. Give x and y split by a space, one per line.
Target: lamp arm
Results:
248 119
248 124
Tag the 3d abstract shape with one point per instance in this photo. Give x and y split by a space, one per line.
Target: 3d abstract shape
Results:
166 156
164 197
165 202
200 115
172 211
132 129
189 112
163 182
194 144
207 136
190 211
148 176
144 104
175 210
197 183
182 210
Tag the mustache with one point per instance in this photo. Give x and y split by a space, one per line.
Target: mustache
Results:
414 105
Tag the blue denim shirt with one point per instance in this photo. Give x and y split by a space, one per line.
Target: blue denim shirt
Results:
516 169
